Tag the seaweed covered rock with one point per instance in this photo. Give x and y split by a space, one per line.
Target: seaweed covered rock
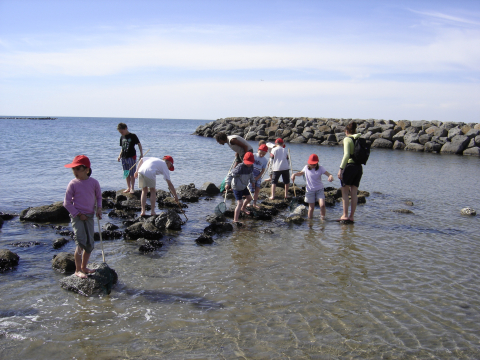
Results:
218 228
168 220
188 193
46 213
150 245
210 188
64 263
60 242
101 282
295 219
8 260
204 240
143 230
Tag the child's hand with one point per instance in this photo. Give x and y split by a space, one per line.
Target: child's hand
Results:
135 175
118 159
82 217
293 177
227 187
99 213
330 178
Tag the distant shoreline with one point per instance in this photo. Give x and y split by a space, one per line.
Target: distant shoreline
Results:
25 118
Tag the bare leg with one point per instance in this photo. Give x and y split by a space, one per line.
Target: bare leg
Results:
323 210
274 187
153 197
85 258
353 195
311 208
78 263
245 204
132 184
143 200
236 214
286 190
255 196
345 202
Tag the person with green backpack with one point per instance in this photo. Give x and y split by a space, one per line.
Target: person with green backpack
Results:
355 153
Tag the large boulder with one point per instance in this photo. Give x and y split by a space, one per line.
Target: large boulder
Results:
143 230
382 144
8 260
98 283
64 263
210 188
218 228
432 146
60 242
168 220
455 147
46 213
398 145
415 147
188 193
473 151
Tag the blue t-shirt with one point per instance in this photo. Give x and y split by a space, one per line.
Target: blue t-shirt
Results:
259 164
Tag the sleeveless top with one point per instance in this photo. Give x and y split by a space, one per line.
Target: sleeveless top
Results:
236 148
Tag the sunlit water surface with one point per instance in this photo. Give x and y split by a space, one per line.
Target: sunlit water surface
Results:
390 286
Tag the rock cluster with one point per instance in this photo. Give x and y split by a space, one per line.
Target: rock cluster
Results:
422 135
99 283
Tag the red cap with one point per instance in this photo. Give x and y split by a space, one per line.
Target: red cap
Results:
169 158
279 141
313 159
263 147
248 158
79 160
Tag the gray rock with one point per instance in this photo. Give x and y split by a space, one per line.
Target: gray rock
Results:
451 148
474 151
47 213
454 132
403 211
404 124
468 211
299 140
295 219
313 141
188 193
109 226
340 136
398 145
399 136
472 133
64 263
301 210
388 134
414 147
375 136
168 220
60 242
382 144
411 138
143 230
307 135
423 139
218 228
8 260
432 147
216 218
101 282
210 188
204 240
461 139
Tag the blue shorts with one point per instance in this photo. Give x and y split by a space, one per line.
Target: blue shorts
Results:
127 163
239 193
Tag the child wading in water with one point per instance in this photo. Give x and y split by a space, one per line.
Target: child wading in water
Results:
280 167
128 155
313 173
82 194
238 179
259 167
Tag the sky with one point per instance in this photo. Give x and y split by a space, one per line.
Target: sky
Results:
415 60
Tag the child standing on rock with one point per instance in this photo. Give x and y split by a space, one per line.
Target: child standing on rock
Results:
280 166
238 179
82 194
259 168
128 155
313 173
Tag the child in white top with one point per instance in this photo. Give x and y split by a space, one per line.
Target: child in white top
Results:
280 167
313 173
259 167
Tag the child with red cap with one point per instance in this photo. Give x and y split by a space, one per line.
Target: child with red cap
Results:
238 180
82 194
147 171
259 167
280 167
313 174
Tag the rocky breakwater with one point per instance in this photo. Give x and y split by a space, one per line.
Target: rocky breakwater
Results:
429 136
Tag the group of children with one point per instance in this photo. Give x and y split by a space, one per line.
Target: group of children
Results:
83 193
246 177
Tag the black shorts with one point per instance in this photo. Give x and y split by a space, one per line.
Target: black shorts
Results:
352 175
238 159
285 176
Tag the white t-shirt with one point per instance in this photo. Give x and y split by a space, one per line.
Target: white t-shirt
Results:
314 178
259 164
280 161
152 167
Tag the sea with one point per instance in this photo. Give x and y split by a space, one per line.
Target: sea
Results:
391 286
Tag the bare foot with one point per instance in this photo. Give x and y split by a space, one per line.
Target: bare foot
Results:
80 274
126 191
142 214
322 217
246 212
256 206
271 198
153 214
132 191
88 271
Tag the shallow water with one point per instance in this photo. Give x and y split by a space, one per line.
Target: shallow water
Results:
391 286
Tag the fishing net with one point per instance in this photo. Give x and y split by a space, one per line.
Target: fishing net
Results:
220 208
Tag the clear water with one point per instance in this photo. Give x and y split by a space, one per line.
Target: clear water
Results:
391 286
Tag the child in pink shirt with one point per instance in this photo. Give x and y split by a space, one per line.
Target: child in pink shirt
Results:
82 194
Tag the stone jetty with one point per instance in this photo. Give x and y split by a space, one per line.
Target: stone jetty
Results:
429 136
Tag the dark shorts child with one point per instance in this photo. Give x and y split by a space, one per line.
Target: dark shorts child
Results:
352 175
239 193
285 176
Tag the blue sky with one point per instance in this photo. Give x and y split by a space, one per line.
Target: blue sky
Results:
211 59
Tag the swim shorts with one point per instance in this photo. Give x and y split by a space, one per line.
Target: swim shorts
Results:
285 176
239 193
127 163
352 175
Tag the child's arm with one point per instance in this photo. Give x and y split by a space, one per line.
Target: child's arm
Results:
141 150
172 190
330 176
98 195
300 173
120 155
